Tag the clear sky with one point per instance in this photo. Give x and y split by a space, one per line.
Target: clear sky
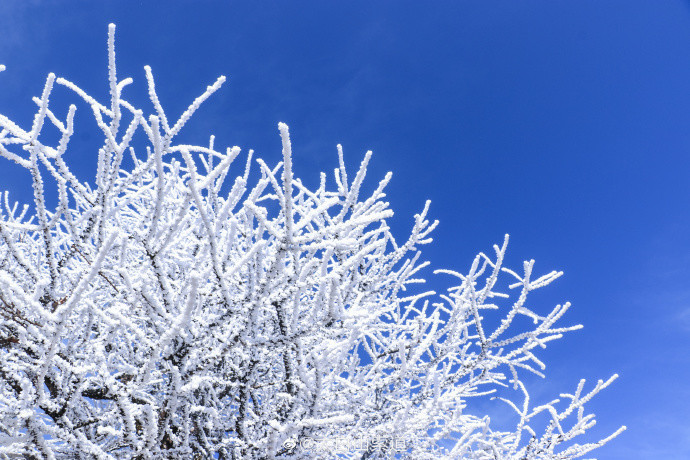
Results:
563 123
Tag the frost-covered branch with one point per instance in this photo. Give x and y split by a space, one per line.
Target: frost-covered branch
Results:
181 307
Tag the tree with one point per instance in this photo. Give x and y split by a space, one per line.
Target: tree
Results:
169 311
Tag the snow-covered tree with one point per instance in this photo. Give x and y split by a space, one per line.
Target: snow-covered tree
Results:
178 308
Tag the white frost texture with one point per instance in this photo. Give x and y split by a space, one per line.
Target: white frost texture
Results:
175 307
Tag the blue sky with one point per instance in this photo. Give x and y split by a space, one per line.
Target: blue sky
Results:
563 123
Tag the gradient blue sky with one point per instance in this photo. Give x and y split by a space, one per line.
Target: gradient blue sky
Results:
563 123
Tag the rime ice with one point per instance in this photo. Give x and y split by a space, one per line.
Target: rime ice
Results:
174 309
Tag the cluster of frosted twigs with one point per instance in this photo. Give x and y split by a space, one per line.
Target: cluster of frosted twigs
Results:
178 308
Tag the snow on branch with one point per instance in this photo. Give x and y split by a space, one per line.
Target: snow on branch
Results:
178 309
